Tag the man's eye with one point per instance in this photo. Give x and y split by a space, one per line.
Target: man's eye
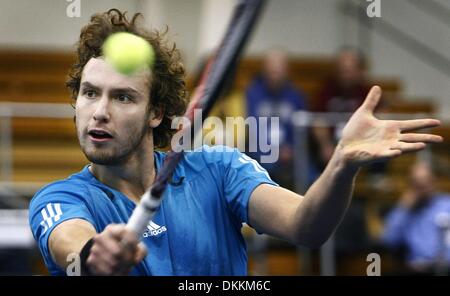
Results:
90 94
124 98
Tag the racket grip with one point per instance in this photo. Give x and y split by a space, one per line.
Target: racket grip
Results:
143 213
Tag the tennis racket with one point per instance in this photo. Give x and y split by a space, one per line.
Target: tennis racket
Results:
212 81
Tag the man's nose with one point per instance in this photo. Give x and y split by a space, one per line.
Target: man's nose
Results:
102 112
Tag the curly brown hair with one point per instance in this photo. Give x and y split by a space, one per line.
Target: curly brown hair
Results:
168 89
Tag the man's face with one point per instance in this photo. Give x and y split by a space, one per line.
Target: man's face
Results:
276 68
112 117
349 69
422 180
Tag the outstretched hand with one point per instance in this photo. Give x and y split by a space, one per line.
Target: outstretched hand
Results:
366 139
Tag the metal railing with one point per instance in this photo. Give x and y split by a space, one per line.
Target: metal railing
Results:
435 9
10 110
14 230
407 42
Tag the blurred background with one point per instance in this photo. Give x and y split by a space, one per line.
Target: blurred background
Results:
309 62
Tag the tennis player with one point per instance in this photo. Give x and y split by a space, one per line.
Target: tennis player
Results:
120 120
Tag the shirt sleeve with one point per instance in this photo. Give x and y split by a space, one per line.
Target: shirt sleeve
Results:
242 175
298 99
53 205
393 235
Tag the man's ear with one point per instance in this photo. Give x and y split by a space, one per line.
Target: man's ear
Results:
156 116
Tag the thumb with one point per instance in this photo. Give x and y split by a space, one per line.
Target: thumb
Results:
372 99
140 253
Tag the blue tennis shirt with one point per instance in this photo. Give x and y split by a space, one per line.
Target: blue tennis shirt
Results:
197 229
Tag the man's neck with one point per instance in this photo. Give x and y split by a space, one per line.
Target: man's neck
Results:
132 178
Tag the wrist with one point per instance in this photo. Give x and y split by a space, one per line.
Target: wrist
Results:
84 254
343 162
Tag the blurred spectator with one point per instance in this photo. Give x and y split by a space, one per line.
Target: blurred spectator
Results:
343 92
420 223
347 88
272 94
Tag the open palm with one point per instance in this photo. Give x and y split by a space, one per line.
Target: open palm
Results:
366 139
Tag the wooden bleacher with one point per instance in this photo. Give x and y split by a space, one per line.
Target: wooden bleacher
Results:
44 149
47 149
34 76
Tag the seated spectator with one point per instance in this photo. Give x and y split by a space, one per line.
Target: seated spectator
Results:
343 92
272 94
420 223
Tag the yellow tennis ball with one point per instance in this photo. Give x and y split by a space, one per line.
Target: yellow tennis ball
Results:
128 52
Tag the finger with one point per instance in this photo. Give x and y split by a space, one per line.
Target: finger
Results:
128 248
372 99
389 154
130 237
125 267
129 242
126 238
409 147
115 230
426 138
124 271
98 266
410 125
107 247
133 257
141 253
116 262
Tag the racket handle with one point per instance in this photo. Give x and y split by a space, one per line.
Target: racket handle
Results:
143 213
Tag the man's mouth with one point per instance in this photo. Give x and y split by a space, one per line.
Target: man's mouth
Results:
97 135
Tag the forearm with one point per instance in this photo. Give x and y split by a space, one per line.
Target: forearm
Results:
326 201
365 139
69 237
